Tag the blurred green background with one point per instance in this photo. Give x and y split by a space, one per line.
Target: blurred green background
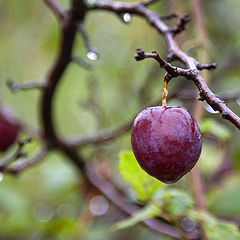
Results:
47 201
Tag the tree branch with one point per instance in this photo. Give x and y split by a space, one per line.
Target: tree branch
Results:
155 20
56 9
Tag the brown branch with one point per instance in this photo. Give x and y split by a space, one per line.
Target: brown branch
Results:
169 16
181 24
56 8
171 70
17 154
103 136
148 2
206 66
69 30
86 39
155 20
20 165
81 62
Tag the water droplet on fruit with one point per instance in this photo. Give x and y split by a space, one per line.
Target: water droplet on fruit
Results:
127 17
98 206
92 56
209 108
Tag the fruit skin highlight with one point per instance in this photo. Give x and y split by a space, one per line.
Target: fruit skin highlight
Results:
166 142
8 134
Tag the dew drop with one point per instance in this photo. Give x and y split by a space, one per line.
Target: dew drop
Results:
127 17
210 109
98 206
92 56
1 176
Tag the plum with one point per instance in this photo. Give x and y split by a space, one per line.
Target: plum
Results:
166 142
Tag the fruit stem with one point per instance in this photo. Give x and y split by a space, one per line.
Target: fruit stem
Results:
167 78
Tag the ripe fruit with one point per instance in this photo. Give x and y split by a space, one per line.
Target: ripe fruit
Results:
8 134
166 142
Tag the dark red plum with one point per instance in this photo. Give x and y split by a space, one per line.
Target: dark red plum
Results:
166 142
8 134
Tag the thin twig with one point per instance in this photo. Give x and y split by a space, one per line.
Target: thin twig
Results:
181 24
148 2
17 154
171 70
81 62
206 66
26 85
169 16
56 8
103 136
87 41
20 165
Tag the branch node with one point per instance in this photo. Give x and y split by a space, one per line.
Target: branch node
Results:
181 24
148 2
91 49
140 55
171 56
14 86
206 66
224 115
81 62
169 17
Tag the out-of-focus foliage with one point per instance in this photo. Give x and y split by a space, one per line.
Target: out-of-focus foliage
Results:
47 200
175 205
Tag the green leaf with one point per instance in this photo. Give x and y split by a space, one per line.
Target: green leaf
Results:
215 128
143 184
149 211
176 202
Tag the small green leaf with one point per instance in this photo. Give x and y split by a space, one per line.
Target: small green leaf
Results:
215 128
149 211
176 202
143 184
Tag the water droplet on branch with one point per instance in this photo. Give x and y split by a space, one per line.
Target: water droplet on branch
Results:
92 56
210 109
127 17
238 101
